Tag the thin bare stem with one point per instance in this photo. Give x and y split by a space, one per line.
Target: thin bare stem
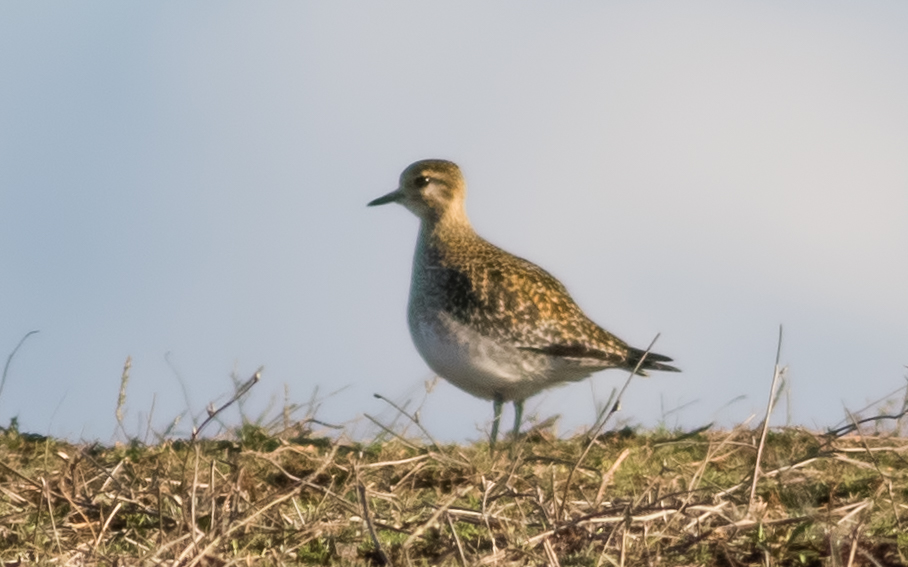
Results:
617 405
413 418
388 430
383 557
9 359
463 557
240 392
595 432
769 406
121 398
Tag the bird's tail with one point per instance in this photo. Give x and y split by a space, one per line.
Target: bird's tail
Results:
653 361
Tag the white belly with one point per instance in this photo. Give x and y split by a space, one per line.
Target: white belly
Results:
484 367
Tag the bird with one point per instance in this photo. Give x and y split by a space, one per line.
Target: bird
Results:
495 325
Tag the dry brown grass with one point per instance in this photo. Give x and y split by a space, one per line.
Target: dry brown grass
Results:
637 498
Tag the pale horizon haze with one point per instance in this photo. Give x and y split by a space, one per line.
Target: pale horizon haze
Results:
186 185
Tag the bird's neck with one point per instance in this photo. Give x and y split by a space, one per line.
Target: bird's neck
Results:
441 238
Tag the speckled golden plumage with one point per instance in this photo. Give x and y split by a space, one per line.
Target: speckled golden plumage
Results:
493 324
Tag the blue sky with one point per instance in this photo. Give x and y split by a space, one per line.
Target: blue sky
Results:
186 184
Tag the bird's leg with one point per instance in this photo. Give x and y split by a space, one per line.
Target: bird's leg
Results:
518 415
496 405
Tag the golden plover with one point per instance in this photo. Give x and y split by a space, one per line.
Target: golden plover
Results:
493 324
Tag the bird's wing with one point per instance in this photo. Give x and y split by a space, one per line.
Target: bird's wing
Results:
515 300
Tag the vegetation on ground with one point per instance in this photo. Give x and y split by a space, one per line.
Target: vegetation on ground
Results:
287 494
628 497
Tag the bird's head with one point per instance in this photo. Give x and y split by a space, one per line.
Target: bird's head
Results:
432 189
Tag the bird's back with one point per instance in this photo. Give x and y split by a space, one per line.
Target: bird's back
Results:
512 300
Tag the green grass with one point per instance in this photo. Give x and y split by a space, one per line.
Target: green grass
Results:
636 498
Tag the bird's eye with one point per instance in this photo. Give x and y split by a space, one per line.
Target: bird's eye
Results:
422 182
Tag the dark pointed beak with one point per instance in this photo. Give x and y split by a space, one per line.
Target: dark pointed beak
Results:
391 197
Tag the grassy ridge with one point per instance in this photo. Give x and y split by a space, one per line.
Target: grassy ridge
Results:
635 498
